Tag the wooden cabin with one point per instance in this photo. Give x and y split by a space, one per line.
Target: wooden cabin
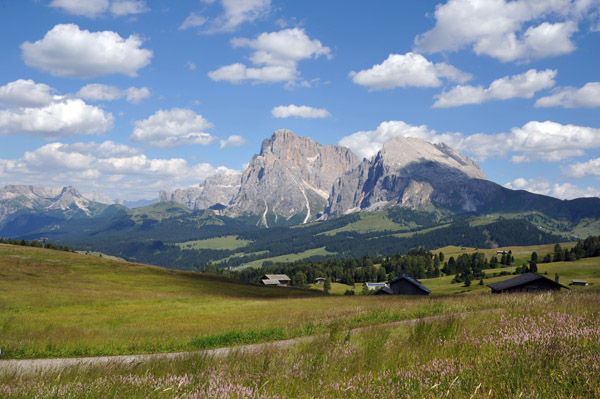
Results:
527 282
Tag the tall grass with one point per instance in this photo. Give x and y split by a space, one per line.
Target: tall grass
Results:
533 346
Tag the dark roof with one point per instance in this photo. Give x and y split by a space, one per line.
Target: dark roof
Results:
411 280
520 280
384 290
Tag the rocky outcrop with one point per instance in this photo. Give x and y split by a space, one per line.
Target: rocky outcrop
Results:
411 173
217 189
290 180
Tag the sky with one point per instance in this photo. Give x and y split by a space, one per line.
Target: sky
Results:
128 97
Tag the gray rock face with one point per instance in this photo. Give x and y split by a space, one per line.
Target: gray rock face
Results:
290 180
15 198
411 173
217 189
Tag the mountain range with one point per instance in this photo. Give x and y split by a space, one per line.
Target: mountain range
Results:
295 181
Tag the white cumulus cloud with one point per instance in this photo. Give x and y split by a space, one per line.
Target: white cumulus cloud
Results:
275 57
235 13
544 187
96 8
115 170
583 169
535 141
524 85
232 141
68 51
173 128
506 30
587 96
302 111
410 69
101 92
26 93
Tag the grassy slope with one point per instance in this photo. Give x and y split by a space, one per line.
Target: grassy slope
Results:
57 304
225 242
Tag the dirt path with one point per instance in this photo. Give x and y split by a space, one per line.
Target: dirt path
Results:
40 365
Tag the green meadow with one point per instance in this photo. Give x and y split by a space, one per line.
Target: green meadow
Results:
59 304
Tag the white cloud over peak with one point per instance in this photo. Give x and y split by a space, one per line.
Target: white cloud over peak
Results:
68 51
535 141
101 92
583 169
410 69
506 30
524 85
104 167
544 187
571 97
367 143
26 93
232 141
276 56
96 8
302 111
173 128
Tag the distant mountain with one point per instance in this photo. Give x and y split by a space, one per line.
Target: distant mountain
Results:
217 189
26 208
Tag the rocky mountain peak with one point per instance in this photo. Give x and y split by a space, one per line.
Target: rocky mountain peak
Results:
409 172
290 179
402 152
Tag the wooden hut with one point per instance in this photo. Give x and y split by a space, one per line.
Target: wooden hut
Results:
404 285
528 282
281 280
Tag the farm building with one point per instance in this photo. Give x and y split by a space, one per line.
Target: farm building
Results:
375 286
528 282
404 285
579 282
320 280
281 280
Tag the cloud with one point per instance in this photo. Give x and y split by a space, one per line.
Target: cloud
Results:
583 169
26 93
524 85
95 8
191 66
193 21
120 8
366 144
232 141
173 128
410 69
302 111
68 51
113 169
571 97
544 187
276 56
235 13
135 95
88 8
535 141
31 109
506 30
100 92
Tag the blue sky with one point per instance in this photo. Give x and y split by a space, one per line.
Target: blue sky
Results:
127 97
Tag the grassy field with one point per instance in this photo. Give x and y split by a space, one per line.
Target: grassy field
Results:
226 242
286 258
534 346
59 304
